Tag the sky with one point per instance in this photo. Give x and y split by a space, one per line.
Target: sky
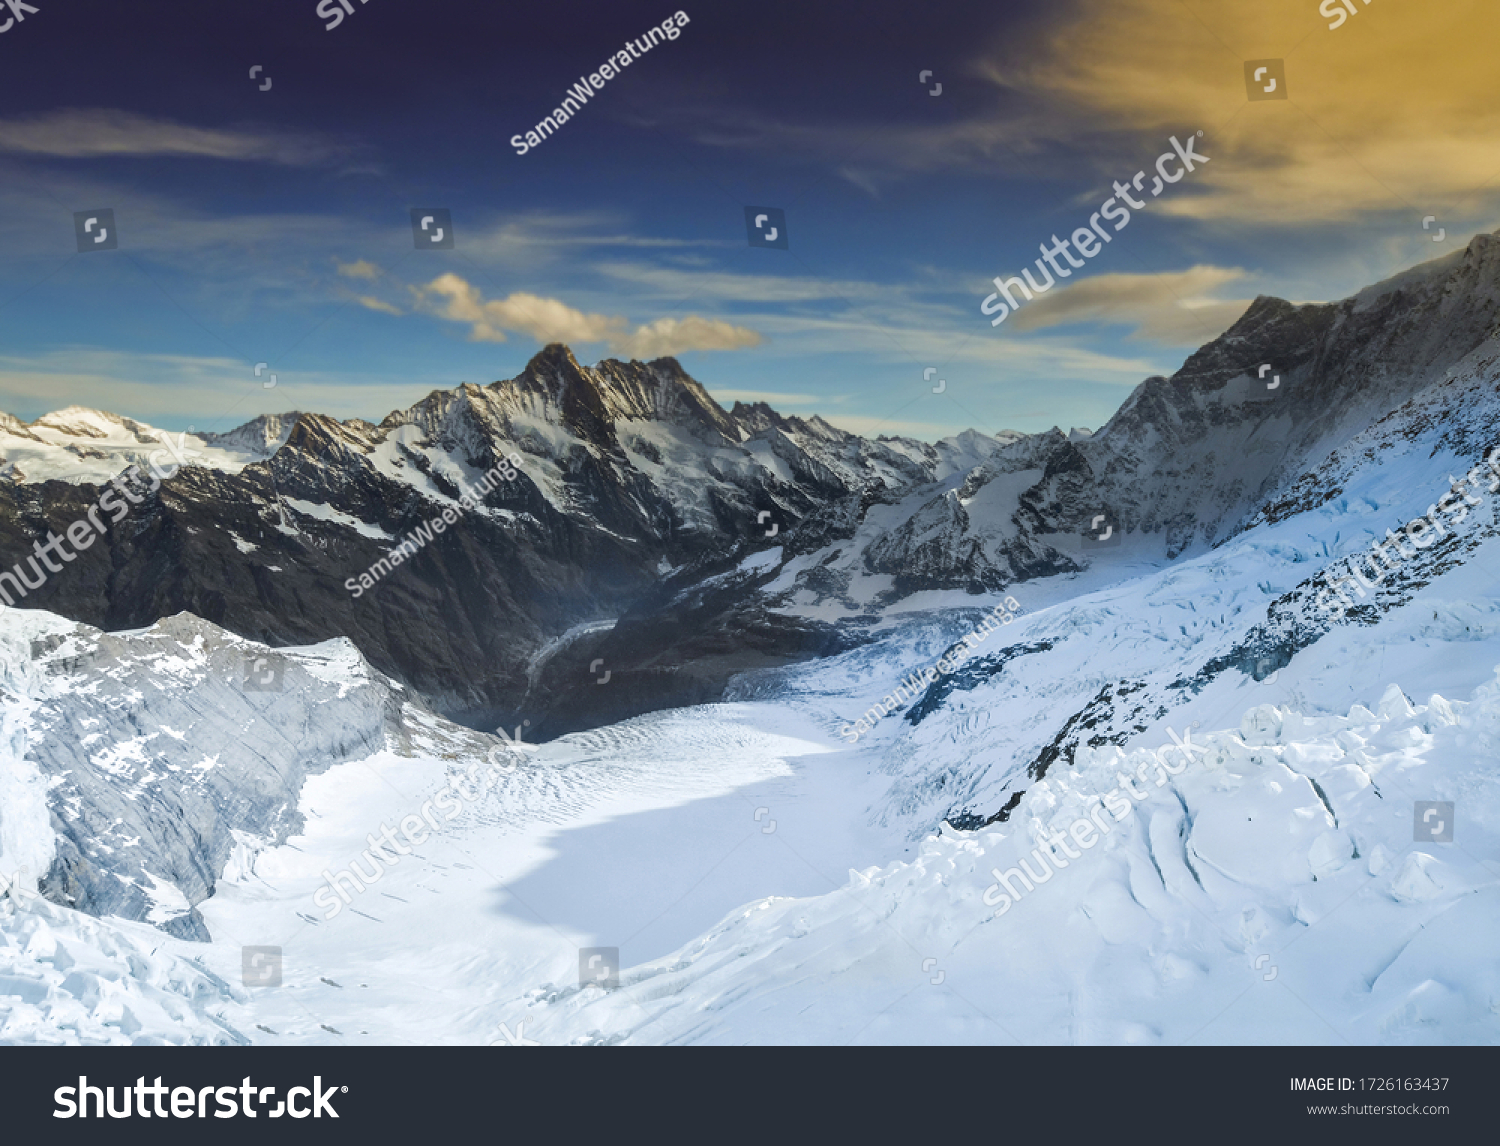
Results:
916 151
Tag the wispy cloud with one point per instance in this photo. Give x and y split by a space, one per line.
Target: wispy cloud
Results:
95 133
1399 113
535 239
173 391
727 286
1172 307
979 355
370 302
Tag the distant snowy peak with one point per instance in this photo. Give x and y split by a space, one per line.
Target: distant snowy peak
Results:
84 446
12 426
756 417
615 412
630 468
648 425
83 422
1187 461
659 390
624 469
261 436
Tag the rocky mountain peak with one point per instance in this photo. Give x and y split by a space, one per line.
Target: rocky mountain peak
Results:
10 424
553 359
261 435
757 416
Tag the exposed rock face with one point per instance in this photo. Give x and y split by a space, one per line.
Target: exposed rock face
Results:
1188 459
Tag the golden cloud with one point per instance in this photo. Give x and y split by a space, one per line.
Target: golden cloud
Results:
1171 307
551 320
1398 108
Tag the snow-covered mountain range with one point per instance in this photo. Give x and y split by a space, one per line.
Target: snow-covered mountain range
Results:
1181 653
629 472
638 494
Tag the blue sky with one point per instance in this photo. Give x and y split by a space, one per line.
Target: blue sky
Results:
272 225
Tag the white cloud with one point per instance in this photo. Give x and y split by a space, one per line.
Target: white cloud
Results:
370 302
545 319
667 336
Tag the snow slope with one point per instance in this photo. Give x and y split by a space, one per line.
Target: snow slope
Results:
1269 893
594 840
68 979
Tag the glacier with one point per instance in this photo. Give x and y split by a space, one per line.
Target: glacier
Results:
763 880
